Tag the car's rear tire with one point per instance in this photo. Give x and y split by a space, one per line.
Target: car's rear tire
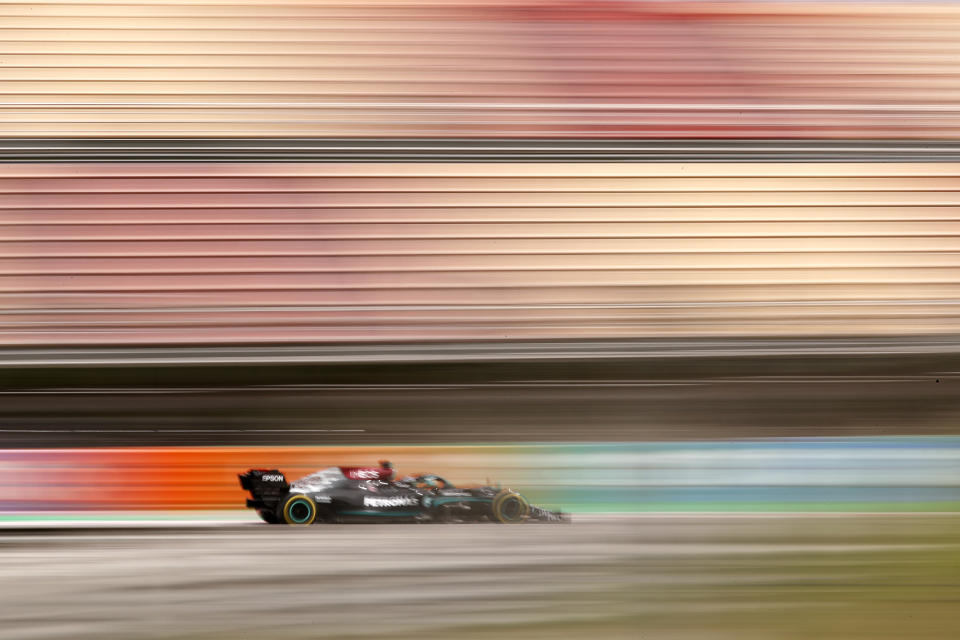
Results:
510 507
299 510
268 516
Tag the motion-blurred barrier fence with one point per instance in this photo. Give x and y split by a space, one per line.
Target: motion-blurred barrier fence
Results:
801 474
207 252
480 68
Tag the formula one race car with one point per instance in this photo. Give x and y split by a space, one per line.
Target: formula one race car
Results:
345 494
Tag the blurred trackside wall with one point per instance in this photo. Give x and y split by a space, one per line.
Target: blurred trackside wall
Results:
800 474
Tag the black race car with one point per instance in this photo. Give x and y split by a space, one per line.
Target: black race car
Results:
354 494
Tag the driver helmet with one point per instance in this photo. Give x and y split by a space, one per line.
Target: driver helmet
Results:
386 465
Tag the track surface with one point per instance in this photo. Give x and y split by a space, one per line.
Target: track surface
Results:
641 577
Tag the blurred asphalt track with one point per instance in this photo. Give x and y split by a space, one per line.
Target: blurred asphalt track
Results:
664 577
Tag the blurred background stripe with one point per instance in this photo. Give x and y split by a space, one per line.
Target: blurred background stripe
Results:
516 150
804 474
537 68
332 252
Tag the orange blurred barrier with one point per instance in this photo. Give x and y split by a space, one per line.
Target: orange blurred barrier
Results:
183 478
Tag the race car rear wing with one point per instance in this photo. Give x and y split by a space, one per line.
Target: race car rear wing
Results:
267 486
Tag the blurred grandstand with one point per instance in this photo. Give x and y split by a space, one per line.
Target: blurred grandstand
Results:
367 68
336 251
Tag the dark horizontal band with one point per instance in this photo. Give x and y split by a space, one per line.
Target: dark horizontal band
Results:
469 150
495 351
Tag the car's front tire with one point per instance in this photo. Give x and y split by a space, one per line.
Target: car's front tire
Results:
299 510
510 507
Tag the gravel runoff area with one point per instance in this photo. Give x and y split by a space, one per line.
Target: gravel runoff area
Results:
664 576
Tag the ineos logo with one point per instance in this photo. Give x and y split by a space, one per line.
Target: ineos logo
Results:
399 501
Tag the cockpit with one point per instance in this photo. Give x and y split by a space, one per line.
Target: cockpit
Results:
428 481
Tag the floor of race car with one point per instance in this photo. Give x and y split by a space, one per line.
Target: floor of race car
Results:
654 576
